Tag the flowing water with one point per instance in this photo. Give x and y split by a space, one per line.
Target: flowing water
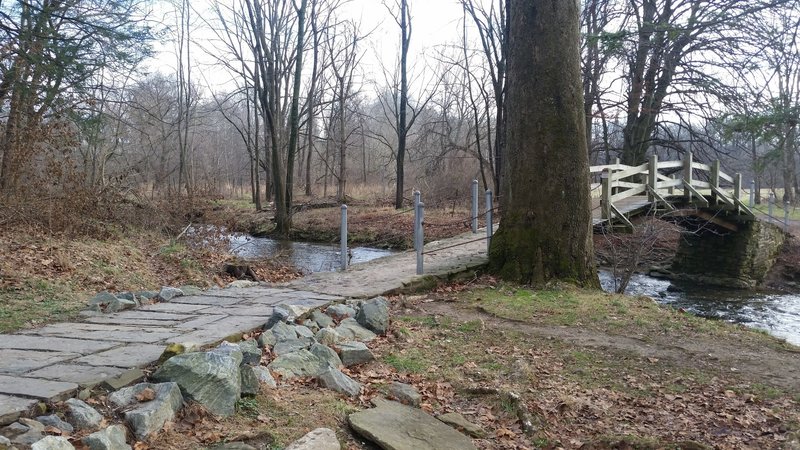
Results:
773 312
306 256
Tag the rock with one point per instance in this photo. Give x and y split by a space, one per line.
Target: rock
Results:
84 394
335 380
291 345
459 422
231 446
266 339
232 350
111 438
328 336
374 315
283 332
52 443
24 432
148 295
176 349
319 439
168 293
352 353
298 311
322 320
241 284
251 354
326 354
55 422
83 416
250 383
209 378
394 426
4 442
311 325
303 331
340 312
301 363
110 303
150 415
405 394
189 289
280 314
351 330
265 376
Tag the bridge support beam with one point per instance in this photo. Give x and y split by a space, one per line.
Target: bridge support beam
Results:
739 259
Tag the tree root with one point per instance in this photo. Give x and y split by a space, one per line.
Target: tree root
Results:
523 415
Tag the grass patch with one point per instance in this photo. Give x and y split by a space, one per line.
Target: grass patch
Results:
38 301
412 362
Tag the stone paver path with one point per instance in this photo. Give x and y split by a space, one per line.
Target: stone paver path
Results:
53 362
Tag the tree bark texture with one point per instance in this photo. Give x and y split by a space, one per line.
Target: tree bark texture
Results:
545 233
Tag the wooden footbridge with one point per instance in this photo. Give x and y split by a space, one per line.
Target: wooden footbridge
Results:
681 188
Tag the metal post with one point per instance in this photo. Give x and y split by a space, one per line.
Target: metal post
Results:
417 200
786 216
489 224
419 236
343 238
474 206
771 205
752 193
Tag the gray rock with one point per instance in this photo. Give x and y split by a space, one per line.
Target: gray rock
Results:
167 293
250 382
209 378
24 432
149 295
52 443
303 331
405 394
328 336
340 311
4 442
232 350
264 376
297 311
291 345
189 289
127 296
241 284
301 363
459 422
283 332
327 354
319 439
323 320
351 330
55 422
335 380
231 446
374 315
149 416
110 303
394 426
250 352
83 416
111 438
352 353
311 325
280 314
267 339
98 302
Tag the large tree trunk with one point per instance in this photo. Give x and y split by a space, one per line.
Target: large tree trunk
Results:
402 124
545 232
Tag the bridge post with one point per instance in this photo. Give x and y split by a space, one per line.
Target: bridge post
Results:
652 177
343 238
687 175
752 193
672 188
715 180
474 206
605 198
771 205
737 190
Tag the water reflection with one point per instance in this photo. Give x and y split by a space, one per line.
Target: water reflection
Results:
303 255
776 313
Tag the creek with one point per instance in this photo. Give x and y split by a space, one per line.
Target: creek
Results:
777 313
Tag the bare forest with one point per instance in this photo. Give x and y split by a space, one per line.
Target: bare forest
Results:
273 101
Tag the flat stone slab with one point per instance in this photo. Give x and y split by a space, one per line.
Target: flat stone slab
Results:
207 300
27 342
124 321
221 329
21 361
174 308
86 376
394 426
35 388
100 332
164 317
130 356
200 322
243 310
11 408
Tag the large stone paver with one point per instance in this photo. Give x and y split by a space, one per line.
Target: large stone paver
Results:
26 342
101 332
12 407
83 375
174 308
21 361
129 356
207 300
36 388
219 330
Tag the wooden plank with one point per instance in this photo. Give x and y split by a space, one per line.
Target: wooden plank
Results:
670 184
723 196
707 216
630 171
625 184
600 169
701 166
661 199
670 164
629 193
701 184
726 177
621 217
693 192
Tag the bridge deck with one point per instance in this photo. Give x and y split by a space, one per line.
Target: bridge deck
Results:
627 206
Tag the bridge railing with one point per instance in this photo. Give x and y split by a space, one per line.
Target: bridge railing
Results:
660 181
